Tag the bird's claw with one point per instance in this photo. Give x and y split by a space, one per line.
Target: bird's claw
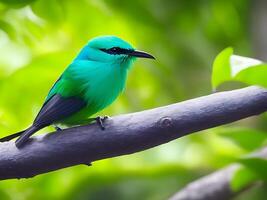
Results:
100 120
57 128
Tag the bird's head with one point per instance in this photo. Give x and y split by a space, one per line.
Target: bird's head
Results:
111 49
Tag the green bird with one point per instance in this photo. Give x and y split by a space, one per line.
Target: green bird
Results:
90 83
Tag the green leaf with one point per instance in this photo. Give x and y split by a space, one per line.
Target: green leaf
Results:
229 67
249 139
17 3
242 178
256 75
257 165
50 10
221 70
8 29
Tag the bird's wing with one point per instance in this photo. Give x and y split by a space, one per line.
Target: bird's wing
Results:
58 108
62 101
66 96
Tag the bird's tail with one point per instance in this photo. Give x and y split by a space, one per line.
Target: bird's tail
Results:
24 136
10 137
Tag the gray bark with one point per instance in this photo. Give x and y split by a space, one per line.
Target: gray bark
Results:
210 187
127 134
259 28
216 185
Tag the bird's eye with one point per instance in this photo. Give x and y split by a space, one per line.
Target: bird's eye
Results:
114 49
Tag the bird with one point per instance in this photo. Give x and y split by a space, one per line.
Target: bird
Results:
93 80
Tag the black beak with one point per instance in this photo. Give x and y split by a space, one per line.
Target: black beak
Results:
140 54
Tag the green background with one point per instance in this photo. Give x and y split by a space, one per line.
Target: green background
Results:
39 38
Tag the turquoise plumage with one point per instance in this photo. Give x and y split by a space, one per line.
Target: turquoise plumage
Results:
90 83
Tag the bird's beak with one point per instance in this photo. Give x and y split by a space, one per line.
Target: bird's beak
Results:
140 54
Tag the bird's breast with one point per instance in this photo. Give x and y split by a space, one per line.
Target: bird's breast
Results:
104 87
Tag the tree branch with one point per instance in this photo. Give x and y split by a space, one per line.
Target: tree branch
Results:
216 185
130 133
210 187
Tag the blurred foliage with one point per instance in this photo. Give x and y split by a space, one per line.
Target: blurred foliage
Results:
39 38
229 67
253 169
247 138
243 178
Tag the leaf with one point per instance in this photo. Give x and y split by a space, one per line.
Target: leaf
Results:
221 70
50 10
17 3
256 75
242 178
257 165
229 67
8 29
239 63
249 139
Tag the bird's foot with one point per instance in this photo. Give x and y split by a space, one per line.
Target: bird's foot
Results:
100 120
57 128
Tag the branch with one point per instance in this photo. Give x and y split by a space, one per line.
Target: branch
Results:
258 22
130 133
210 187
216 185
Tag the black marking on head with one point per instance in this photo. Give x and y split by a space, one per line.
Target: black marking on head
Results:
117 51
